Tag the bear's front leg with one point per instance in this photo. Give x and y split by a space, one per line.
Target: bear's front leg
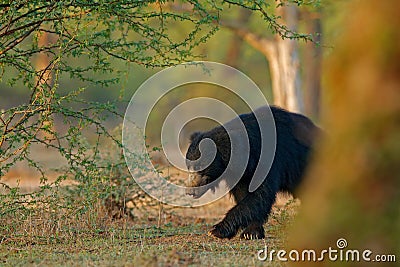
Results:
253 231
223 230
250 213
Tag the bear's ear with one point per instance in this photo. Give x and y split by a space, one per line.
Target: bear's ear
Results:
194 135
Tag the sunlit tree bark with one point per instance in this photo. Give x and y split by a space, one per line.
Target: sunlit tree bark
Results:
283 58
45 66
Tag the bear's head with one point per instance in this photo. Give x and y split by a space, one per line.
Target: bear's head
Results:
205 164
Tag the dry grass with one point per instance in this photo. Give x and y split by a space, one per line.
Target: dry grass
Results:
158 235
174 237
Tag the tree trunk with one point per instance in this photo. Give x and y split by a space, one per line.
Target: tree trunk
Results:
285 74
44 66
283 59
43 62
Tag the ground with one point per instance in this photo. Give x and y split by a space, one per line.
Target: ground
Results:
158 236
176 238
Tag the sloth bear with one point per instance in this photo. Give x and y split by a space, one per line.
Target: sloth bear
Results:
295 138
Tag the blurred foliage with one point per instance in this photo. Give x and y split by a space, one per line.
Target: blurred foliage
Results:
352 191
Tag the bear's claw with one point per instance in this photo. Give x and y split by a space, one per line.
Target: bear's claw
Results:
253 232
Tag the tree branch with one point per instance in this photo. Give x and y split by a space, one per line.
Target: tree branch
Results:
262 44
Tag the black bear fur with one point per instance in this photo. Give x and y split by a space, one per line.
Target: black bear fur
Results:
295 134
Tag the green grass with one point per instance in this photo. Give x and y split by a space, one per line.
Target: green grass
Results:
162 237
168 245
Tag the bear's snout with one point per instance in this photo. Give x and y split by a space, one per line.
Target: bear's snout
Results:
191 192
194 183
195 179
196 192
